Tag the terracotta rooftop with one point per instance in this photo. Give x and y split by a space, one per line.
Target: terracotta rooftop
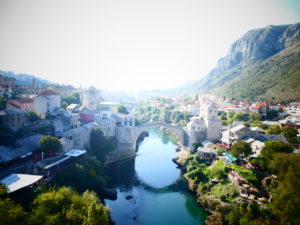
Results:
48 92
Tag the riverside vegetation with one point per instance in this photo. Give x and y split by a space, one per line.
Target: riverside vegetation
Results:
278 179
78 203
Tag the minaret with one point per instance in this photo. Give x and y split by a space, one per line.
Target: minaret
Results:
33 83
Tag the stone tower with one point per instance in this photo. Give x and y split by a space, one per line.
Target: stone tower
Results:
206 126
213 125
90 98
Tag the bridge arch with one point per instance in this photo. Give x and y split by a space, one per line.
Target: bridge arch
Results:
180 132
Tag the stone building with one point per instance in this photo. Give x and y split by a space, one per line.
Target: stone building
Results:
46 102
13 118
206 126
90 98
8 81
78 138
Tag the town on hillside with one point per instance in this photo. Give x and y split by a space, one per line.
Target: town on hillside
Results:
46 129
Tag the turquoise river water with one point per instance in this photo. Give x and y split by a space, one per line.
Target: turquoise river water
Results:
152 180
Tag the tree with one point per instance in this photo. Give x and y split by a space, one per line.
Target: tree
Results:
176 116
222 116
290 133
122 109
272 147
287 167
259 124
255 116
7 136
238 117
65 206
10 213
33 116
272 114
100 146
241 148
3 103
274 129
87 173
64 104
218 170
165 115
49 145
73 98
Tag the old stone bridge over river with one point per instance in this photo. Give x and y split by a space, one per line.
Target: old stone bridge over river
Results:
206 126
128 136
150 188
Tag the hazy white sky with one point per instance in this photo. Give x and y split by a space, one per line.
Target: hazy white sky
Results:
128 44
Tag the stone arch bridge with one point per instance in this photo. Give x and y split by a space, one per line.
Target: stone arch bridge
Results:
180 132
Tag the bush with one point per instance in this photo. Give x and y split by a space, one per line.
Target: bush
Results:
248 175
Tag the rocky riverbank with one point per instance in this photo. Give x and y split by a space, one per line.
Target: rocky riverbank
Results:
210 202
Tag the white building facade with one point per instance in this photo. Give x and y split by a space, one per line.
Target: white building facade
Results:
90 98
46 102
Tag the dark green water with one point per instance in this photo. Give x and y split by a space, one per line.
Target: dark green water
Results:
150 179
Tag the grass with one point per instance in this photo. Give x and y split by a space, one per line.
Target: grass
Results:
225 191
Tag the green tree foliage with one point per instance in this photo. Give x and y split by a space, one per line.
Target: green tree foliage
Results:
274 129
241 149
259 124
73 98
10 213
165 115
272 147
238 117
7 136
248 175
218 170
222 116
287 167
33 116
50 144
195 146
290 133
100 146
122 109
3 103
272 114
176 116
230 116
255 116
65 206
88 173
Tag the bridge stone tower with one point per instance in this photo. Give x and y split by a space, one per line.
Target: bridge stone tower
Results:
206 126
213 124
90 98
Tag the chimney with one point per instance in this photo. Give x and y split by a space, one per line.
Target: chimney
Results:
33 82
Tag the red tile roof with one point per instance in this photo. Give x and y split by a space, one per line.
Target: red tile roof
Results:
48 92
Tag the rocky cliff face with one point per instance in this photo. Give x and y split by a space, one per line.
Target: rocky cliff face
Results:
264 64
259 44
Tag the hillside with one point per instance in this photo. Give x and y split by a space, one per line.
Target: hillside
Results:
263 64
25 79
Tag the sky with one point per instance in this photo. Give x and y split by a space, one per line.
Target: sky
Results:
127 45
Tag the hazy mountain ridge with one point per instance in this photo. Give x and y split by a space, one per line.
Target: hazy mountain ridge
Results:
25 79
262 64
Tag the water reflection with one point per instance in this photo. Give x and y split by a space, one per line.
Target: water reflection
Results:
152 179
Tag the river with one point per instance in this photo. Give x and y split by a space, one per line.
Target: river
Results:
153 180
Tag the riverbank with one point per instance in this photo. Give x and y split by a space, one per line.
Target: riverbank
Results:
211 200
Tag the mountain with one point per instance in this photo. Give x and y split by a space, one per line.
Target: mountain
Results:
25 79
264 64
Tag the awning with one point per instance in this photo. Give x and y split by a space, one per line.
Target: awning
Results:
15 181
75 153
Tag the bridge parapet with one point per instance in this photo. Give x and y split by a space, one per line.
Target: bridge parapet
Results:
179 131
